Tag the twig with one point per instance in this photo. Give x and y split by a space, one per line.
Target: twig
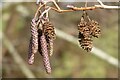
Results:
106 6
44 12
17 58
72 8
40 6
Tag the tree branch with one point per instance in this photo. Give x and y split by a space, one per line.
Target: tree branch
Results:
106 6
72 8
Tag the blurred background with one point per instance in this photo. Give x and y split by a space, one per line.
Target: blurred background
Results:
68 60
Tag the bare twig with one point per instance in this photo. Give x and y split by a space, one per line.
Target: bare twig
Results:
17 58
72 8
40 6
44 12
106 6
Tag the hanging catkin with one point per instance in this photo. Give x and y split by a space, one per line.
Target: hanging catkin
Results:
30 53
33 45
34 35
44 52
48 30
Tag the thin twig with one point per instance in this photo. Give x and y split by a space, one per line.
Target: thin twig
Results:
106 6
40 6
44 12
72 8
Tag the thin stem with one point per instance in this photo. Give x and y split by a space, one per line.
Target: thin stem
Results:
40 6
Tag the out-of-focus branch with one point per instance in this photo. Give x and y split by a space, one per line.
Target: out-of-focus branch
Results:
106 6
73 8
17 58
99 53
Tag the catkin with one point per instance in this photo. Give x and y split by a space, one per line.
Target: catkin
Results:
34 35
33 45
45 55
30 53
48 30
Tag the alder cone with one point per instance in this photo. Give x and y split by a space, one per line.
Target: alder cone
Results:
45 55
82 25
48 30
34 35
85 42
95 29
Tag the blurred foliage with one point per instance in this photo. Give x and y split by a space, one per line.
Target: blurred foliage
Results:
68 59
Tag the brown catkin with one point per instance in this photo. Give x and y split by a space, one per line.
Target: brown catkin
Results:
30 53
39 43
50 47
48 30
33 45
45 55
34 35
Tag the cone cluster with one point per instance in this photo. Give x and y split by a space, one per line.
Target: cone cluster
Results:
42 37
87 29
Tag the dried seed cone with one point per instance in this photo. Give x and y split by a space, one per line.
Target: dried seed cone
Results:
95 28
48 30
86 32
82 25
34 35
45 55
85 42
30 54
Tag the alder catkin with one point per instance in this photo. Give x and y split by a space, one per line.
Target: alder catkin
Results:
45 55
34 35
48 30
33 45
50 47
30 53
